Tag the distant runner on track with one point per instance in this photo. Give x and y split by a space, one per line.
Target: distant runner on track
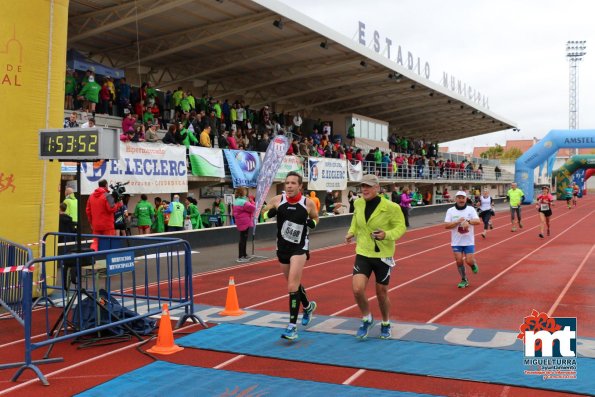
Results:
295 215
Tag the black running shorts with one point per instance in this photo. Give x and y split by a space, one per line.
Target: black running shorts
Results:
285 256
364 265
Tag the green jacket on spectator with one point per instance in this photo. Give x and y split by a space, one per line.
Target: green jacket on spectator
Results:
188 137
158 225
177 97
144 212
148 116
194 215
185 104
90 92
378 156
70 85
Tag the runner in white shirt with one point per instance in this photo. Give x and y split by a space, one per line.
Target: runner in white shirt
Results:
460 219
485 206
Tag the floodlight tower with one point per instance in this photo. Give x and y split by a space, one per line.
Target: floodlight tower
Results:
575 51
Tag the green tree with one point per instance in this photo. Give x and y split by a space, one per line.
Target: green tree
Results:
495 152
512 154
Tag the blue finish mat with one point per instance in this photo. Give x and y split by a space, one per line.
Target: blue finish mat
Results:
418 358
173 380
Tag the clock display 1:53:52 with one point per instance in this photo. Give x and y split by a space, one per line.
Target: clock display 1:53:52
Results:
67 144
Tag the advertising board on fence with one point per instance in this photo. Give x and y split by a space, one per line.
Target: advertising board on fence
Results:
146 167
327 174
355 170
290 163
207 162
244 167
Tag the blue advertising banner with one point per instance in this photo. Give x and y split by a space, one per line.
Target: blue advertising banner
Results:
244 167
120 262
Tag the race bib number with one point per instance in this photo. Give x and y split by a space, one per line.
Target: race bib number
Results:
390 261
545 207
292 232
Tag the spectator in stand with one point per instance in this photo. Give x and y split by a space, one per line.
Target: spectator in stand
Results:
123 95
405 204
127 136
297 122
150 94
187 137
351 135
243 212
316 137
69 89
151 135
172 136
358 155
231 141
498 172
446 196
70 121
128 121
90 94
89 124
315 200
105 98
177 98
139 109
303 147
205 137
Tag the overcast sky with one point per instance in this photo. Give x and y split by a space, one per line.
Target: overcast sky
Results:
514 52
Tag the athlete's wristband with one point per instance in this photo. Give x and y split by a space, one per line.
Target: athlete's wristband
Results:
311 223
270 213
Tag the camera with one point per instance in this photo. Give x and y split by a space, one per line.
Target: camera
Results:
118 190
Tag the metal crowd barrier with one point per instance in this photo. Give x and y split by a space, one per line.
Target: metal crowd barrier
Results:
105 293
13 259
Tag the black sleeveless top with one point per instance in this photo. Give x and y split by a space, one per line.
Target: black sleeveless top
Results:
292 232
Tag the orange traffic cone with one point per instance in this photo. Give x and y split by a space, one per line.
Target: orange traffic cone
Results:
165 338
232 308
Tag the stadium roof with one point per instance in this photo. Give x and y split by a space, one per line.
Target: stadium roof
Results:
267 53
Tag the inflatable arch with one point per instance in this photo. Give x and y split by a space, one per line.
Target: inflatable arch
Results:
589 173
564 175
542 150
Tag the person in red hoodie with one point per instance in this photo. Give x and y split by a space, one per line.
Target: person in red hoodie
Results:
101 207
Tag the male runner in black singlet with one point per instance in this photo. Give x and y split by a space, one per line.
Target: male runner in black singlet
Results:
295 214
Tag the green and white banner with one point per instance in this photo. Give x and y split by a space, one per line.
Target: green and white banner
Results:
207 162
290 163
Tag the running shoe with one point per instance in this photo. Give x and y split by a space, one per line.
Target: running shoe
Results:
513 229
541 235
464 283
242 260
475 268
307 316
290 332
362 332
385 331
520 225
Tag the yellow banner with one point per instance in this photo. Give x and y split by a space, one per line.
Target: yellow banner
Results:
32 69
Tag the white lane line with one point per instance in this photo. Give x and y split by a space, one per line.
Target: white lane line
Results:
577 271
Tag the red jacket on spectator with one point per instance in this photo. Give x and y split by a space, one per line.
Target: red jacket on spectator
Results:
231 141
139 109
104 93
100 210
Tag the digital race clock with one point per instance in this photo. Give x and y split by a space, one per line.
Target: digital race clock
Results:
79 144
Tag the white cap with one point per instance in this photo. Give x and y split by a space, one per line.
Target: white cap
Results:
461 193
91 79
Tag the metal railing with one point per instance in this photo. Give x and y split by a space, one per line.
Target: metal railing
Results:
126 281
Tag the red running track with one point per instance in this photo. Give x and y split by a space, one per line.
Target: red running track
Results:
518 272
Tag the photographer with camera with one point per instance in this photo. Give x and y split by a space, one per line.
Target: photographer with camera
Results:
101 207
